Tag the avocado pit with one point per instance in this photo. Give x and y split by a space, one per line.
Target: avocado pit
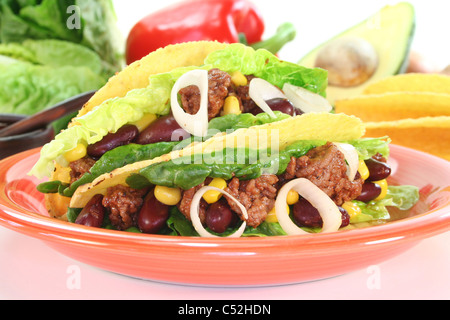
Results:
350 61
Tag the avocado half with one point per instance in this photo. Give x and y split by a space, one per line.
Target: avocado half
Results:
390 31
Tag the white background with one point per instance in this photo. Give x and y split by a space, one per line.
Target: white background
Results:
31 270
319 20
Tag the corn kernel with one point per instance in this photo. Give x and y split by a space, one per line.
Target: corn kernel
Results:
212 196
363 170
167 196
62 174
384 189
145 121
292 197
352 209
272 215
77 153
231 106
238 79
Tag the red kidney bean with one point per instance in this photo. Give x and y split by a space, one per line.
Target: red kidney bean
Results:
282 105
370 191
345 217
279 104
378 170
306 215
153 215
219 217
93 213
123 136
164 129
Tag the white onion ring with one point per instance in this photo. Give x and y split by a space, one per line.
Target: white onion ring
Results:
306 100
352 158
195 218
328 210
196 124
261 91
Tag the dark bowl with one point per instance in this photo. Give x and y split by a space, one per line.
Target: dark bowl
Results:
30 140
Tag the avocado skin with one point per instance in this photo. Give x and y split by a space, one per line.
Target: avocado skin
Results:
385 36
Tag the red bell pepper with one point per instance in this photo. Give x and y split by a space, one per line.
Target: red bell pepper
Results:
227 21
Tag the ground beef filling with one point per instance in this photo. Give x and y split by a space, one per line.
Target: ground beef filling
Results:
80 167
185 204
247 103
325 166
123 203
219 87
256 195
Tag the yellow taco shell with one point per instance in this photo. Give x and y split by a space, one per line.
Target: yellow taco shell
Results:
311 126
411 82
136 75
396 105
429 134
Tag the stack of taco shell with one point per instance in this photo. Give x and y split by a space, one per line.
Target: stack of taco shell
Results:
412 109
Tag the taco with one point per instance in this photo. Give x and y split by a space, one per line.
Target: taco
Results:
305 174
183 92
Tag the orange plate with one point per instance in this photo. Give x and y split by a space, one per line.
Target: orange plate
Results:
233 262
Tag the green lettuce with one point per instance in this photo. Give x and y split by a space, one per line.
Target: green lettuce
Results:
188 172
155 98
265 65
35 74
88 23
178 225
402 197
52 50
368 147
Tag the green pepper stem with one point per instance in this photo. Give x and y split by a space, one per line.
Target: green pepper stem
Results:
285 33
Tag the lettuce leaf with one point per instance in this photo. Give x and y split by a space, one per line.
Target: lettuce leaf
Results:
27 88
52 50
91 24
188 172
368 147
178 225
402 197
37 74
265 65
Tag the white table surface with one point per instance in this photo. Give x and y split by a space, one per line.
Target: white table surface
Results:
31 270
